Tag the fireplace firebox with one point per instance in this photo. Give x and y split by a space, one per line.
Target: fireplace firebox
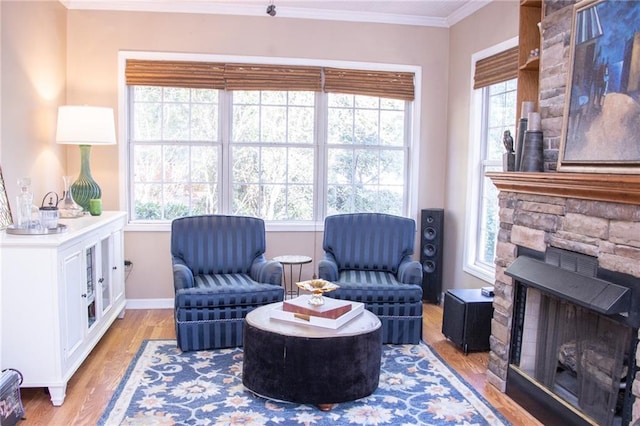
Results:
574 338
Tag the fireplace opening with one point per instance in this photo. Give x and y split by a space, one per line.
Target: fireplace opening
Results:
569 355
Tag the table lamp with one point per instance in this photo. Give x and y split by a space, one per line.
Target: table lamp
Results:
85 126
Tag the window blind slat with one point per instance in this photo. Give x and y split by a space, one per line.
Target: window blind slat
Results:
188 74
272 77
497 68
388 84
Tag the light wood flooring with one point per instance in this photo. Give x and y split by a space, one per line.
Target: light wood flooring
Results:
92 386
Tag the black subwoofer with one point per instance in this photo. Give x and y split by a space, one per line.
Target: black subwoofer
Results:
431 237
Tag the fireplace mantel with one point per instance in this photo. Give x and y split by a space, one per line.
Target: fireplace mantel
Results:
589 186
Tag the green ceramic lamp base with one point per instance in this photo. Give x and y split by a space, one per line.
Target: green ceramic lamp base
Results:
85 188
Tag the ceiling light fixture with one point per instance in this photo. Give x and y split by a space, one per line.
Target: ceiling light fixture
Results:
271 9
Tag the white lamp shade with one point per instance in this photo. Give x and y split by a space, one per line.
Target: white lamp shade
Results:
85 125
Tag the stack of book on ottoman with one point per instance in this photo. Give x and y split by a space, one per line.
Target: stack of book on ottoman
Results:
334 313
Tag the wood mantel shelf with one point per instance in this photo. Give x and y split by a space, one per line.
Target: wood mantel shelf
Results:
589 186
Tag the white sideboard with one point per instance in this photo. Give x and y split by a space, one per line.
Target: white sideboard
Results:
60 294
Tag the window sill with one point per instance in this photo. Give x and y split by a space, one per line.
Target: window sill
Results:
481 272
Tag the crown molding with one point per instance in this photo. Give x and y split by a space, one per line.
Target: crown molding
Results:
218 8
467 10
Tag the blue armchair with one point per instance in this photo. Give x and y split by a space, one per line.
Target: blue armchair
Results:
369 256
220 274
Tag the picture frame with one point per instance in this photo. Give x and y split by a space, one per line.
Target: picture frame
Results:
601 120
5 209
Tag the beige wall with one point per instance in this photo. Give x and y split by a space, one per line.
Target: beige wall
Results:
491 25
33 52
95 37
33 76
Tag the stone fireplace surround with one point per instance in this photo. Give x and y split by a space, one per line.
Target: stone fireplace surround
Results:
594 214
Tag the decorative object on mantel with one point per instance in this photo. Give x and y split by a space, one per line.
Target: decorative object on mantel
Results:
85 126
527 107
602 112
532 149
5 210
509 156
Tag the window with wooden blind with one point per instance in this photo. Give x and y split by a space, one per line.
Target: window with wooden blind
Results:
492 109
287 143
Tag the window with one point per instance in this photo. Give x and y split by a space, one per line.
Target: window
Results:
282 155
272 154
174 152
366 154
494 111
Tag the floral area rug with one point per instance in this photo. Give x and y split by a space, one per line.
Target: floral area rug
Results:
165 386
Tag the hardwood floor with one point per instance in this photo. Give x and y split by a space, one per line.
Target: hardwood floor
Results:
91 388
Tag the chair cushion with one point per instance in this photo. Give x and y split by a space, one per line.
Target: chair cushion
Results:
227 290
375 287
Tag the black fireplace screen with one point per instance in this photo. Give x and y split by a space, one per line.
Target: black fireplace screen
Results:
572 337
582 357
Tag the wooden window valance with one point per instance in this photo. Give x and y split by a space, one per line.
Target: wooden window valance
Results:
386 84
496 68
235 76
194 75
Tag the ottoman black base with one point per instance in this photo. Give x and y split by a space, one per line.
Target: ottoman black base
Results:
311 370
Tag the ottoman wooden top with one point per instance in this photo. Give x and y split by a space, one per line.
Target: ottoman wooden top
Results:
261 319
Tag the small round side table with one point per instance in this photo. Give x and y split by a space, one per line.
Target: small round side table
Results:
291 260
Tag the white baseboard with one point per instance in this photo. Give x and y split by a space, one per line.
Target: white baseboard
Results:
150 303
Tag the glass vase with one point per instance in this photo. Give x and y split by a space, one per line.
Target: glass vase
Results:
67 207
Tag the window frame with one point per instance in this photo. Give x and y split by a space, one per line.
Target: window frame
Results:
412 132
476 166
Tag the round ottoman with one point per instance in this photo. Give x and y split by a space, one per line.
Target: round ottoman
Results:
309 364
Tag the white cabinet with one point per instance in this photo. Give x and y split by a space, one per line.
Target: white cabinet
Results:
60 294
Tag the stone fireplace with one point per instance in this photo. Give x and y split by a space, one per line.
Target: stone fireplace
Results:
586 214
590 215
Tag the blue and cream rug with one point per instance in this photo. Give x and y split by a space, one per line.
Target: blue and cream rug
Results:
164 386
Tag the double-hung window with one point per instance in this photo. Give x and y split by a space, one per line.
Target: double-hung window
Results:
282 154
493 112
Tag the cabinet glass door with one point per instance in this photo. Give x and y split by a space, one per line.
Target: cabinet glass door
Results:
90 289
105 278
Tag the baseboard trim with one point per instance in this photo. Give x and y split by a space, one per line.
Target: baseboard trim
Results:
150 303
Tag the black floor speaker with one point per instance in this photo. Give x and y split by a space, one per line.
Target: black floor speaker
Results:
432 231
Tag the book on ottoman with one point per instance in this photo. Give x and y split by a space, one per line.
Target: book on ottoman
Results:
332 308
333 314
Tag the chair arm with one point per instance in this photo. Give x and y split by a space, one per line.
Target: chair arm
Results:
328 268
410 272
182 274
266 271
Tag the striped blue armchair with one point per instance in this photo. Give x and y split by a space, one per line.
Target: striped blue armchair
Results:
220 274
369 256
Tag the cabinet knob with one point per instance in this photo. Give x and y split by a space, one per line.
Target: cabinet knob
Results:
101 280
114 268
84 295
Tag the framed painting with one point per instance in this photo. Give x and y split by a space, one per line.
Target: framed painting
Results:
601 127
